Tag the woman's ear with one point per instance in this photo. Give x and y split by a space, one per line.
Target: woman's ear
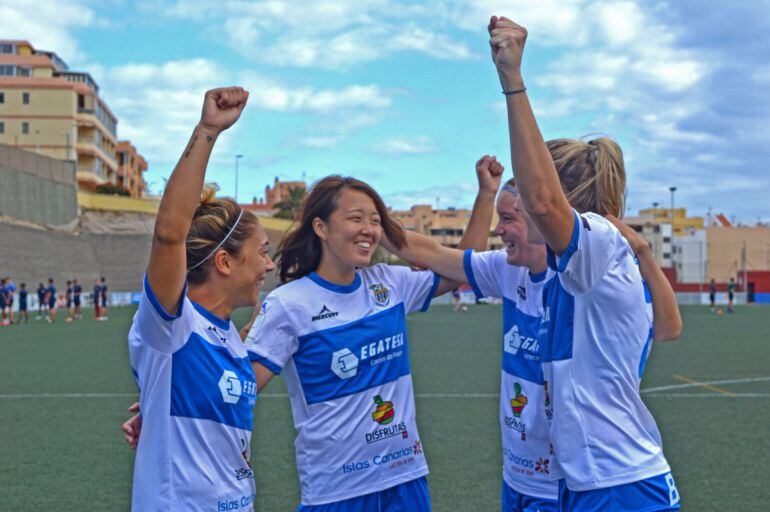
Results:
319 228
222 262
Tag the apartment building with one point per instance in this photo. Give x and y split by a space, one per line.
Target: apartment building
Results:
48 109
445 226
131 165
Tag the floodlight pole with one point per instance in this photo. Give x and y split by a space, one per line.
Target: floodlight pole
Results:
237 158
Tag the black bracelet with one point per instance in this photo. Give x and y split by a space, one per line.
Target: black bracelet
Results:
515 91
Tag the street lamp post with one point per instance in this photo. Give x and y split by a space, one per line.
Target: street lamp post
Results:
237 159
672 189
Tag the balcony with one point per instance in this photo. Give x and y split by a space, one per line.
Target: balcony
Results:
72 76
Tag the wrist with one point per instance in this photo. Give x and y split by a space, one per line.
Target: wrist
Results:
207 129
511 81
486 193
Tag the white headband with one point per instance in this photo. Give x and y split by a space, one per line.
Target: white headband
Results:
201 262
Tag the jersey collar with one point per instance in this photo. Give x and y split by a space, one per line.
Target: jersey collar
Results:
336 288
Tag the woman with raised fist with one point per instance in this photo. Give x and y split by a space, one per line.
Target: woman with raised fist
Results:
596 328
196 384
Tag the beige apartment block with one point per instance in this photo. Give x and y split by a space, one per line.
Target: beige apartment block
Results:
131 165
50 110
445 226
732 250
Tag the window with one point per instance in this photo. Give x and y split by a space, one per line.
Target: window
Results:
25 127
25 98
121 158
2 127
666 239
2 97
81 101
666 256
7 70
24 71
6 48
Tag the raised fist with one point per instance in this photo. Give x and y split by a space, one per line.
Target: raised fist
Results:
507 41
490 173
222 107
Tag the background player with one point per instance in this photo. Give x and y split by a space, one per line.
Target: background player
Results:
23 313
42 304
4 300
103 297
77 291
69 298
96 294
50 299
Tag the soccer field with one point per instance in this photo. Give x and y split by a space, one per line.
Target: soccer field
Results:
64 390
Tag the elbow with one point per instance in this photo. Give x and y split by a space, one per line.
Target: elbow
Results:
542 204
671 333
165 234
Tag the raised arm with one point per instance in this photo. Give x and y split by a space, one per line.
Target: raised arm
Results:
667 321
167 269
424 251
536 178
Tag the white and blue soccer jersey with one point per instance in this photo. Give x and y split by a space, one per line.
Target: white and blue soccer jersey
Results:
344 355
197 393
523 390
595 339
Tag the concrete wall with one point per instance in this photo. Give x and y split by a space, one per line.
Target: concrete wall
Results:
37 188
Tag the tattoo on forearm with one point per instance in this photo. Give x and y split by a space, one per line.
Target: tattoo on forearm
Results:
190 146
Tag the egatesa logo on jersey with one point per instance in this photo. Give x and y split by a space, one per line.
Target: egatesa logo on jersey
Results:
383 415
518 403
381 294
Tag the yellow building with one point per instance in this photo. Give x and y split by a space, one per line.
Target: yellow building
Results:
444 226
48 109
131 165
680 222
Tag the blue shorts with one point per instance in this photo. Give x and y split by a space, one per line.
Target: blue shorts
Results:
654 494
52 303
104 303
76 300
69 303
514 501
410 496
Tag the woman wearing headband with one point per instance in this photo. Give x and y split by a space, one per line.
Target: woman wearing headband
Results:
197 387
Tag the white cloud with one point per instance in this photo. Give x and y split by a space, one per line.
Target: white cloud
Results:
47 24
402 146
459 194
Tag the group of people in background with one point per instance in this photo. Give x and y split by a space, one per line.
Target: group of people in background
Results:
48 301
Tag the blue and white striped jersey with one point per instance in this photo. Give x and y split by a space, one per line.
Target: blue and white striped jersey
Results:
595 339
344 354
197 393
523 390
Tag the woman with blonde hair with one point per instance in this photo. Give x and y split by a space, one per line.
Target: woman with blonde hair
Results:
196 384
596 328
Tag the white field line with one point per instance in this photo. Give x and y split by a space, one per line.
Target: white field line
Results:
701 383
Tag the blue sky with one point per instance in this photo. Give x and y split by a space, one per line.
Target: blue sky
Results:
404 94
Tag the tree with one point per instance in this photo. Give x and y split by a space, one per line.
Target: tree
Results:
289 207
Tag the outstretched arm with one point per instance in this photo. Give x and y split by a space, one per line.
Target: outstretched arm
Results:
667 321
424 251
536 178
167 269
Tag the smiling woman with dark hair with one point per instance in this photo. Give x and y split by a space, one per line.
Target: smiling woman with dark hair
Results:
336 330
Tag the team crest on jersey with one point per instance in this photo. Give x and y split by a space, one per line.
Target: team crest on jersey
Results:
381 294
541 466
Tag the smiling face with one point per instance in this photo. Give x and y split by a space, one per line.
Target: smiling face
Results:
516 230
351 233
248 269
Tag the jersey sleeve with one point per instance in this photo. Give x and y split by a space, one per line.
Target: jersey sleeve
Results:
588 255
415 287
153 324
485 271
272 340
